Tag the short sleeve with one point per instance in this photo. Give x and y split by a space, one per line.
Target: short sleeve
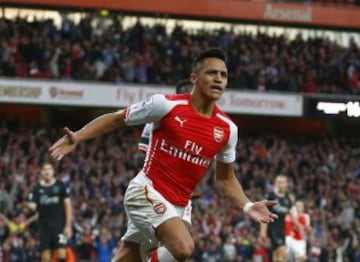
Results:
149 110
228 153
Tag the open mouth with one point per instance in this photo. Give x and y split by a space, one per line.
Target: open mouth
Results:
217 88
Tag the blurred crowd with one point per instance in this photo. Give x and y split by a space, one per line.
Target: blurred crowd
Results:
98 49
324 172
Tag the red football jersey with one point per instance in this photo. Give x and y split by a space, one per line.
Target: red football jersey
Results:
304 221
183 143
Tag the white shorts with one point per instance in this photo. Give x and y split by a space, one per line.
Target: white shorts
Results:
146 209
288 241
298 247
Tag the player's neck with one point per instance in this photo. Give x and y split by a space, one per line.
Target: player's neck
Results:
47 183
280 194
201 106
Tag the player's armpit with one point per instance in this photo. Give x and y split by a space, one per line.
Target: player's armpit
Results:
121 114
140 157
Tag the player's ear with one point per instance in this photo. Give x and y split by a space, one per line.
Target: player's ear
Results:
193 78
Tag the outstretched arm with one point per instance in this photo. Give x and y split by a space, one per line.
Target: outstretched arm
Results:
101 125
229 185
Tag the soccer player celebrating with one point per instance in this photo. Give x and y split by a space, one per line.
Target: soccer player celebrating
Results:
190 131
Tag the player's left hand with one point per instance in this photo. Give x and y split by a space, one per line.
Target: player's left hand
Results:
68 232
64 145
260 212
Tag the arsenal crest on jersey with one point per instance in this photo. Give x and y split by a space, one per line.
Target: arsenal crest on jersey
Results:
160 208
218 134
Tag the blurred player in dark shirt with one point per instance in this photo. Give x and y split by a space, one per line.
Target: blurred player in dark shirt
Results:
276 231
51 199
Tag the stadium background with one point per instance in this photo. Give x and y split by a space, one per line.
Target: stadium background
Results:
297 115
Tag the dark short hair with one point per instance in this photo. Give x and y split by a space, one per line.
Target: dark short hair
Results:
180 86
214 52
45 163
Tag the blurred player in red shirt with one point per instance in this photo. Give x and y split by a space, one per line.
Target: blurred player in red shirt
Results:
296 237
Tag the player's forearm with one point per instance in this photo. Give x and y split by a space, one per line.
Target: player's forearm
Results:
68 213
263 229
101 125
232 189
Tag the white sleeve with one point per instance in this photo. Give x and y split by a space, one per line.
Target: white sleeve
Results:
149 110
147 131
145 137
228 153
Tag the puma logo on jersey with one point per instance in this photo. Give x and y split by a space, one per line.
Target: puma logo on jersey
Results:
181 122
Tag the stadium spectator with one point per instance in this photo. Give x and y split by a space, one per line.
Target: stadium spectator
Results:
150 54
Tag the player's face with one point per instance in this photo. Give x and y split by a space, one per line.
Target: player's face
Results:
211 78
47 172
281 184
299 206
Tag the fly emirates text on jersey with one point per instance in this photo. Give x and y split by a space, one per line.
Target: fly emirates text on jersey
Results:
190 153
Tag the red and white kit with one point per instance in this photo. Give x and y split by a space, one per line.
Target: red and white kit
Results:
182 147
295 241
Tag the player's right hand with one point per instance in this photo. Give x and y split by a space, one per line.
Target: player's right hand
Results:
64 145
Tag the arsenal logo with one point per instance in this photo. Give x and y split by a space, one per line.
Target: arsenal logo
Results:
160 208
218 134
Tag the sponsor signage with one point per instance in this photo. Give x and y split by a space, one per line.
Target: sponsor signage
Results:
262 103
13 91
332 107
26 91
285 13
119 96
259 11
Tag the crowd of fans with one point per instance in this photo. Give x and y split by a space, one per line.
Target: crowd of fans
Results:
324 172
96 50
